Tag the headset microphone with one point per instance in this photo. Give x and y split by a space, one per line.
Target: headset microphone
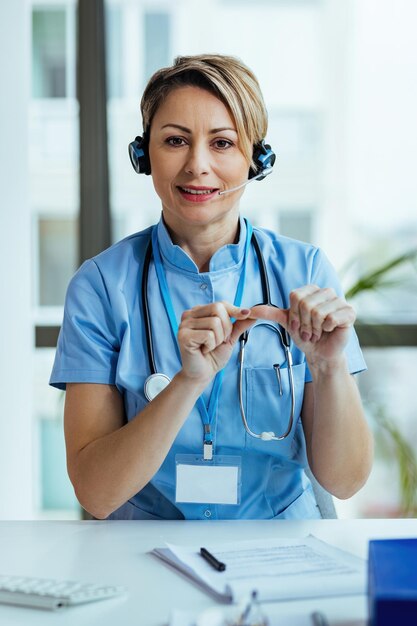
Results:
263 158
260 176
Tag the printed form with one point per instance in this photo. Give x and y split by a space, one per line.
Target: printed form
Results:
279 569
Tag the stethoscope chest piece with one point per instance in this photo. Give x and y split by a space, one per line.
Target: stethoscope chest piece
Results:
154 384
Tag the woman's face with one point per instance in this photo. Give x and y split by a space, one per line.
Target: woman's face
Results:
194 154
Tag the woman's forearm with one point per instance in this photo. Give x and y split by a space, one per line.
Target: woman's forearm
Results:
113 468
341 445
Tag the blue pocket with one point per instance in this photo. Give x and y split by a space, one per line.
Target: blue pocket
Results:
303 507
268 410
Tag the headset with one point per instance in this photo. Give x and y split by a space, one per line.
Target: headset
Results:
139 154
263 157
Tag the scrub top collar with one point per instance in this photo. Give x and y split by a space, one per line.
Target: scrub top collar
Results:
227 257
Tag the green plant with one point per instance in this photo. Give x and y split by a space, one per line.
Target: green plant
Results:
377 278
395 444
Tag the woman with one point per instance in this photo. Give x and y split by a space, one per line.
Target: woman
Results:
184 452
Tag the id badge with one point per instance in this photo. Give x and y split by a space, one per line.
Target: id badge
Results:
217 481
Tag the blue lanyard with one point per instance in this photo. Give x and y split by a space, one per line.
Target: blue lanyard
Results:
206 413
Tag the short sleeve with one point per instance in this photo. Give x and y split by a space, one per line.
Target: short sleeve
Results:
88 348
324 275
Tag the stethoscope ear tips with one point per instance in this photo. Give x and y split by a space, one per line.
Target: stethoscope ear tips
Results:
267 436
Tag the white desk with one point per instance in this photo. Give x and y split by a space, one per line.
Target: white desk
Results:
116 553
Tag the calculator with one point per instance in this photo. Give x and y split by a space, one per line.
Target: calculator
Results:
44 593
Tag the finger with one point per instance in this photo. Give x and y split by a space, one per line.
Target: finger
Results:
319 313
273 313
342 318
210 342
306 307
209 323
223 310
240 327
215 310
299 315
193 340
295 297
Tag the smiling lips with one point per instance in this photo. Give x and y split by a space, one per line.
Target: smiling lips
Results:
197 194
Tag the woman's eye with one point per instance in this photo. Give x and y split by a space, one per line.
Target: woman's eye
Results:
175 141
223 144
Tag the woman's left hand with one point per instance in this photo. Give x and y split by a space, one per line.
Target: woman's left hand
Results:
318 322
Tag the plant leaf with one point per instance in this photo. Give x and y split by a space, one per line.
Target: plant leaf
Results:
377 278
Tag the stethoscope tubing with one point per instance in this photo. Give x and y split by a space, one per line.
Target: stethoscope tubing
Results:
266 300
267 435
145 307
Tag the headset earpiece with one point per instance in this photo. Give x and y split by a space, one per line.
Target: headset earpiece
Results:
264 158
139 155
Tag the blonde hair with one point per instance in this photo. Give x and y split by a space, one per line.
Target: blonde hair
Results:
224 76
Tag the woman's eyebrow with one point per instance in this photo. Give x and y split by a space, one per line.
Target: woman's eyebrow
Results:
187 130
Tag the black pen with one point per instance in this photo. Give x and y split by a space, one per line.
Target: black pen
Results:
218 565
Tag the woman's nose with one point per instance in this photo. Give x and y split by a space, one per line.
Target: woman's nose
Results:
198 160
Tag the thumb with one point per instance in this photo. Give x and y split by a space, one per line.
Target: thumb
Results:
235 312
273 313
239 327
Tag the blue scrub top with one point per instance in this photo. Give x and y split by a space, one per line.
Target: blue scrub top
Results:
102 340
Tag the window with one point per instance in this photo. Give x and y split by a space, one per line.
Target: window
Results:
387 391
49 51
114 51
53 171
296 224
53 156
343 177
57 259
157 26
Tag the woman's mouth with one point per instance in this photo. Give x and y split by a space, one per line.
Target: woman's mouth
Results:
198 194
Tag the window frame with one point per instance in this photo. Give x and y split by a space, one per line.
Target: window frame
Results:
94 217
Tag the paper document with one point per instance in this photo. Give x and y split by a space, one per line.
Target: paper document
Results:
279 569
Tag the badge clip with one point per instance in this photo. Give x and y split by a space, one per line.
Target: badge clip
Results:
207 444
208 451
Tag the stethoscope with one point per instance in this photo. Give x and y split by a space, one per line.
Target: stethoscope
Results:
157 381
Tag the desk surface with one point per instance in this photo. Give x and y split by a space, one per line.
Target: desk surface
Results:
116 553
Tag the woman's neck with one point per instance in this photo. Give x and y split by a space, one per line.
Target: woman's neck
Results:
200 243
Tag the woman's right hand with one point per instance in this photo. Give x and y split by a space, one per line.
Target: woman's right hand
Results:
206 337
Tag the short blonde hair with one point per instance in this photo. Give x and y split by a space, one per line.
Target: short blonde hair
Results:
224 76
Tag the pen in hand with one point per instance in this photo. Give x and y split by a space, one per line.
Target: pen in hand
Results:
218 565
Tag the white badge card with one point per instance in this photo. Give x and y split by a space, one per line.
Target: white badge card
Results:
208 482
